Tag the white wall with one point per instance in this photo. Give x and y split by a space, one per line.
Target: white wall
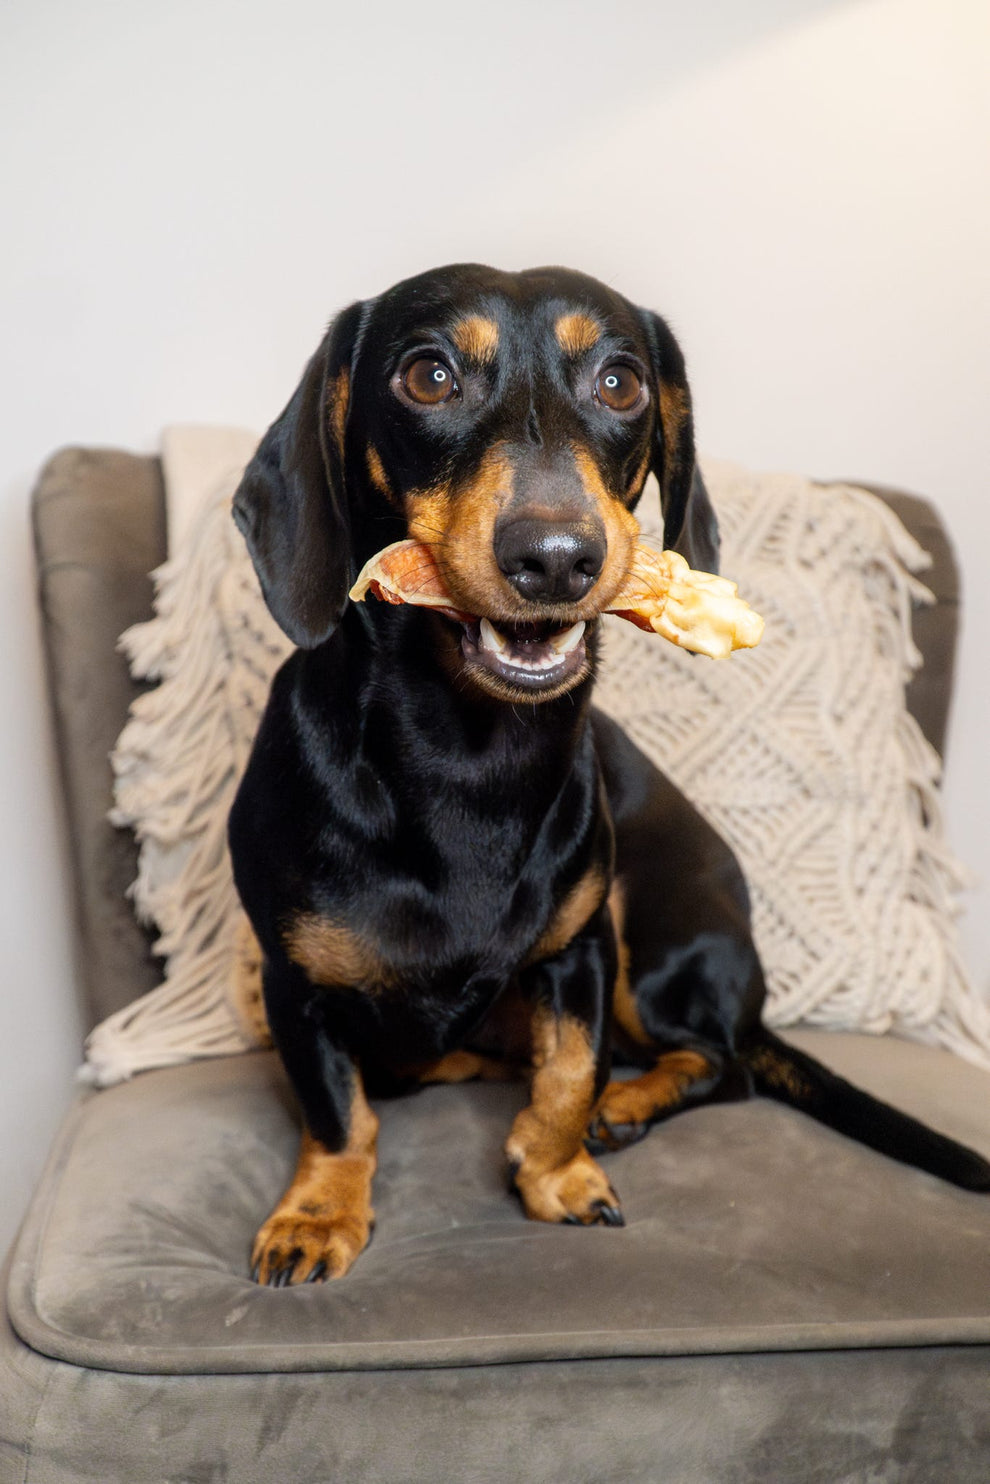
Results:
190 190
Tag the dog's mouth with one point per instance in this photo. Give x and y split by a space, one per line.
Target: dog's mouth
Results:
509 658
530 657
696 610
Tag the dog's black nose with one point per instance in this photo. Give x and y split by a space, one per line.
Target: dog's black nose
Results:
551 561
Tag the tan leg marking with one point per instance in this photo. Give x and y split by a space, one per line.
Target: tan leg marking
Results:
555 1175
627 1109
331 954
324 1219
581 901
467 1066
624 1001
245 985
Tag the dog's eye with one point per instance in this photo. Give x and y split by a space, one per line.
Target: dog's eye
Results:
428 381
618 387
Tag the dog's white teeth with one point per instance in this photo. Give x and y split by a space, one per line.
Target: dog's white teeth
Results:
568 640
492 639
528 654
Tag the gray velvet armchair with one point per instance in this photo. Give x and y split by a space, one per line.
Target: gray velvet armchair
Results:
782 1305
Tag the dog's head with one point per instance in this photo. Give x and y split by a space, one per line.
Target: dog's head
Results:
509 421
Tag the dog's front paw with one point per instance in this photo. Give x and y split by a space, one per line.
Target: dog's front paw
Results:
308 1247
624 1115
628 1110
577 1192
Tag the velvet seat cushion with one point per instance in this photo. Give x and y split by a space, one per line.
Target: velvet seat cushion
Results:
748 1227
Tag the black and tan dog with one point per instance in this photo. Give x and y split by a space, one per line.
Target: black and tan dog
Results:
452 863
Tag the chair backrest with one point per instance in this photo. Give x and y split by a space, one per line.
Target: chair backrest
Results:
99 529
99 526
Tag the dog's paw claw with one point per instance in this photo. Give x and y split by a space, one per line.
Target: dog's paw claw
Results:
607 1138
291 1249
609 1215
575 1193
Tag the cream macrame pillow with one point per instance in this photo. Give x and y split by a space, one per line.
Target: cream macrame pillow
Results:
801 752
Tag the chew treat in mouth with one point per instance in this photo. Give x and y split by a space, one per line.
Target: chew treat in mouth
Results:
661 593
695 610
535 657
404 572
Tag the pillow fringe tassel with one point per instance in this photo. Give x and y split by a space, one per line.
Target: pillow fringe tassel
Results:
212 648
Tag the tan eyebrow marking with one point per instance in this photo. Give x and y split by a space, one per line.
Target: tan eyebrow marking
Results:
476 337
576 333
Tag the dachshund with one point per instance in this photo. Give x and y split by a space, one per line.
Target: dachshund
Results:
454 865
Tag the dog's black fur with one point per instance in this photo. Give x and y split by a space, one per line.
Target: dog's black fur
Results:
451 859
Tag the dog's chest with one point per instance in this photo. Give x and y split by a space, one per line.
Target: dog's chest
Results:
416 857
434 920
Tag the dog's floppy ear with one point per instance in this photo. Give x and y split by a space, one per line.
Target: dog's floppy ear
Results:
290 503
690 525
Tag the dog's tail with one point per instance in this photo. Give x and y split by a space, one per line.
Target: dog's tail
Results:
782 1072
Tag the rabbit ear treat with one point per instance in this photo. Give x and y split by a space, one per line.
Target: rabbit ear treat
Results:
661 593
404 572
